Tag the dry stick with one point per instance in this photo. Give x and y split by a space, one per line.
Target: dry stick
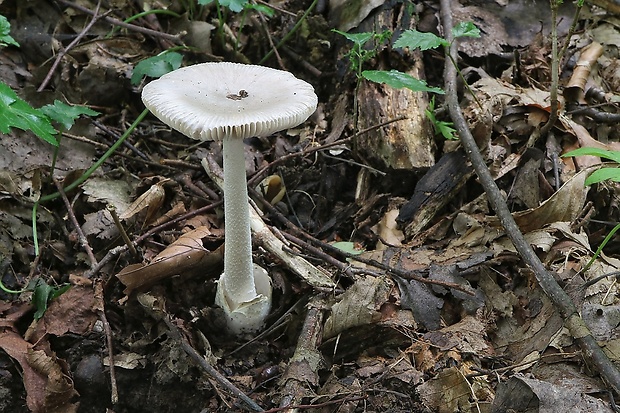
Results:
545 279
343 267
208 368
109 345
132 249
71 45
74 221
173 38
118 153
553 116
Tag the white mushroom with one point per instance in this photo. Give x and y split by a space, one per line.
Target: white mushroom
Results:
229 102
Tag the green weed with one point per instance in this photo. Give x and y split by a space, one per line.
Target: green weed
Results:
410 39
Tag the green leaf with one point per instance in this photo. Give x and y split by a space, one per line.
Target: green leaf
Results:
442 127
5 29
603 174
348 247
234 5
601 153
43 294
17 113
414 39
266 10
399 80
465 29
359 39
40 298
66 114
156 66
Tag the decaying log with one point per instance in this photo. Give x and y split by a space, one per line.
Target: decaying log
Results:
406 144
434 191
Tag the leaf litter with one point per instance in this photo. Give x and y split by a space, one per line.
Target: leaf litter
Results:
431 310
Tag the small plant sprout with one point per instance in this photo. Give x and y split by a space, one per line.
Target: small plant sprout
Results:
228 102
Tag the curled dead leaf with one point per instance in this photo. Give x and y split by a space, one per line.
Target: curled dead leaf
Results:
563 206
59 388
151 200
186 256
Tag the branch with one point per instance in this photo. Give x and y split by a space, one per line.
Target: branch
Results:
545 279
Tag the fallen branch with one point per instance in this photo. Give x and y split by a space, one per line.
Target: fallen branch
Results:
575 324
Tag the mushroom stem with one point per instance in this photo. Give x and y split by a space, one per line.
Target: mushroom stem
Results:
238 278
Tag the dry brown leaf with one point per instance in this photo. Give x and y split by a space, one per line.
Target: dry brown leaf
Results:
151 200
522 391
574 90
466 336
59 388
185 256
73 311
448 392
34 383
563 206
360 305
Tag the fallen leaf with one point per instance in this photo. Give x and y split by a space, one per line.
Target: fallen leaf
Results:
185 256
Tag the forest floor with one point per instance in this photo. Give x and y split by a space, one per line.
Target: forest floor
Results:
396 286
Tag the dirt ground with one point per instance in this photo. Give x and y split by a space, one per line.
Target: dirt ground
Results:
396 287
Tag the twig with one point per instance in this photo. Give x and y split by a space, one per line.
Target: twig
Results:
121 229
109 345
345 268
208 368
111 254
173 38
290 33
71 45
558 297
117 136
555 64
74 221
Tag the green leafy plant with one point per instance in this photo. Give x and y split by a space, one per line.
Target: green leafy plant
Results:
42 294
611 173
5 29
411 39
17 113
156 66
238 6
603 174
441 127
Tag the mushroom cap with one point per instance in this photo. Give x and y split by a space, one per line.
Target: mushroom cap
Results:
210 101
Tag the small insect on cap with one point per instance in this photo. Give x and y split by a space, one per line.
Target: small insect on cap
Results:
210 101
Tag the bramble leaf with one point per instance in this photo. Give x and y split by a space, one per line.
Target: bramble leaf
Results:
359 39
400 80
441 127
17 113
66 114
465 29
156 66
414 39
5 29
